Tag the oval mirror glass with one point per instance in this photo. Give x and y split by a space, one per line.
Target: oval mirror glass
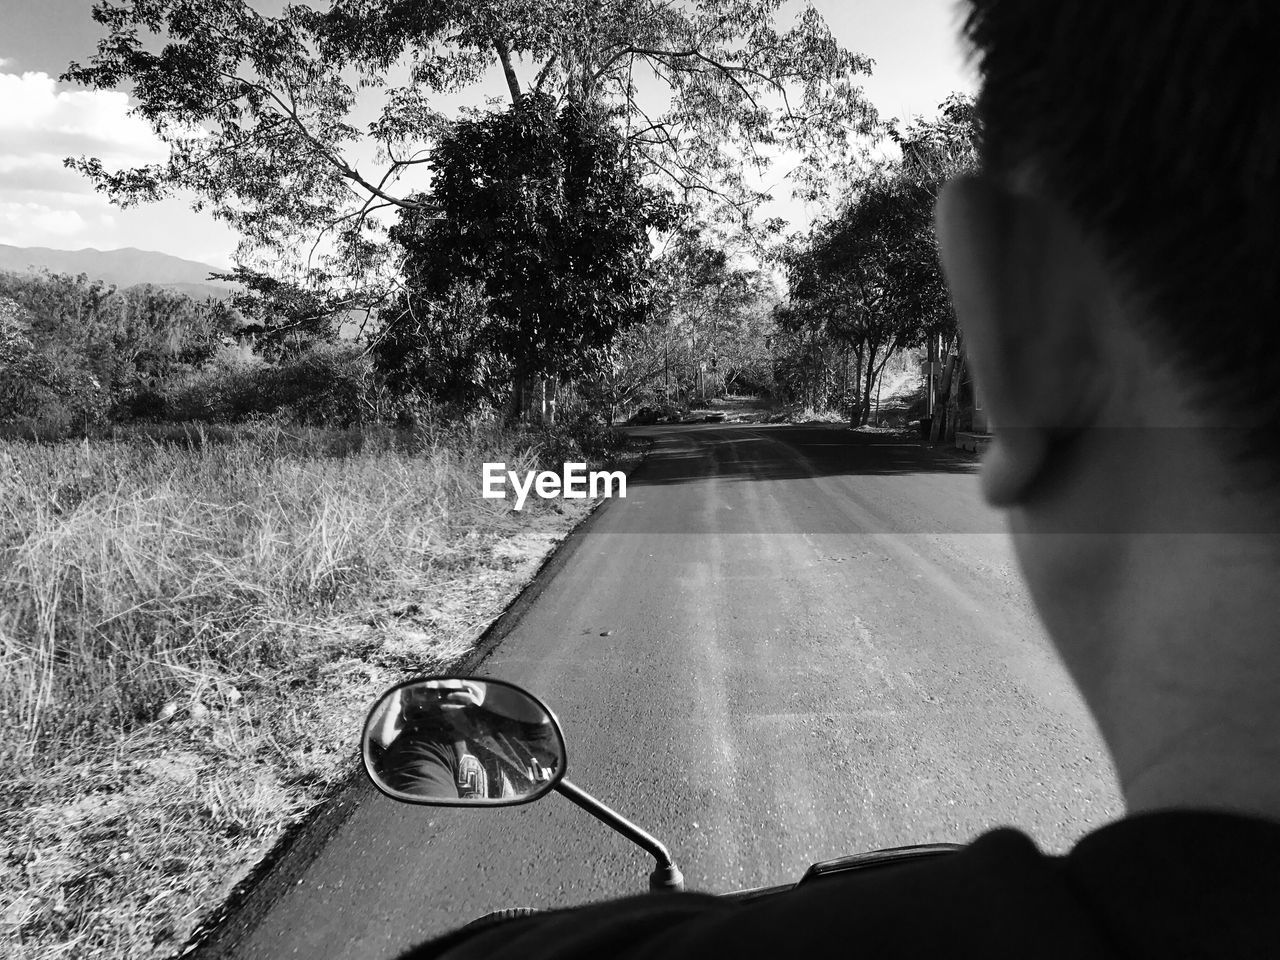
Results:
458 741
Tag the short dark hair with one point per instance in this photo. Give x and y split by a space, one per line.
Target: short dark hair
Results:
1156 125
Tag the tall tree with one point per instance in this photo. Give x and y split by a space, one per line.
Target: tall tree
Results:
260 112
868 279
539 211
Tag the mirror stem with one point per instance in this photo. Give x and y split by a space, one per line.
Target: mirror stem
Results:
666 876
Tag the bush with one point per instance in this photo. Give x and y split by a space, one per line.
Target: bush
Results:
584 436
39 398
223 391
327 384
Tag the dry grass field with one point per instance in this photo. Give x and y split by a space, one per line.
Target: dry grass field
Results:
189 634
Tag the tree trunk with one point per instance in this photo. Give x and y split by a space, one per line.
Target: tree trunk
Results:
869 375
508 71
857 380
953 402
931 388
878 380
936 431
516 411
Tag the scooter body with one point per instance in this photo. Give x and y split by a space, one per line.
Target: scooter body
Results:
463 741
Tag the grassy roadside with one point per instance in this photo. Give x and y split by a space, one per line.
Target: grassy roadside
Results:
189 635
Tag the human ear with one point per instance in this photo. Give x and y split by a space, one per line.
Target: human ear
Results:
1020 283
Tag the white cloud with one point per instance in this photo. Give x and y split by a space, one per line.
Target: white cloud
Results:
36 118
38 173
59 223
39 224
41 201
43 204
41 125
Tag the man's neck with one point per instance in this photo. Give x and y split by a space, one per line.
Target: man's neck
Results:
1189 700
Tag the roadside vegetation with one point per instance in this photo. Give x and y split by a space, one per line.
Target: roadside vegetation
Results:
226 524
191 631
866 286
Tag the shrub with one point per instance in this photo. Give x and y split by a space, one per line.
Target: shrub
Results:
38 396
327 384
583 436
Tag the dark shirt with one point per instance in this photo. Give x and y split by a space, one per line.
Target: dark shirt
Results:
1161 885
426 762
422 767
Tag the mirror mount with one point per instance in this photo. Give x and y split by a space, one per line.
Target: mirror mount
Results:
454 741
462 741
666 875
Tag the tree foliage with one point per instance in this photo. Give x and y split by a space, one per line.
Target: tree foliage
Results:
868 282
285 317
84 347
536 255
710 334
435 352
263 114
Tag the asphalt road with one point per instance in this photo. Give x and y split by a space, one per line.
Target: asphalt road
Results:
787 644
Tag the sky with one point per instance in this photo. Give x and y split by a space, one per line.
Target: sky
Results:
918 62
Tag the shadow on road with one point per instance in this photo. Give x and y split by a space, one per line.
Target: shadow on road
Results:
694 454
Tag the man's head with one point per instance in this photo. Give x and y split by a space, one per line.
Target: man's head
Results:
1114 269
1156 126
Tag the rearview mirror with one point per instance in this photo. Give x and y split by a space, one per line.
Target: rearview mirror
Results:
458 741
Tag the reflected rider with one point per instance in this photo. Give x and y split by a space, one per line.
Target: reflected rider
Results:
466 740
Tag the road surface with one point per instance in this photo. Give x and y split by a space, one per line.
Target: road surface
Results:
788 643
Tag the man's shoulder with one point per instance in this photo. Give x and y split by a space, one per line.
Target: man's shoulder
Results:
1134 888
994 892
1182 883
1000 896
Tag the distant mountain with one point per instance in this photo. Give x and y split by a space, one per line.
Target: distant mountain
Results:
124 268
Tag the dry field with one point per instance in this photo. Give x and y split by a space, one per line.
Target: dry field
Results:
189 635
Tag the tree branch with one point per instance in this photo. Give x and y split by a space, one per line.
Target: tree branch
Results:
504 56
344 169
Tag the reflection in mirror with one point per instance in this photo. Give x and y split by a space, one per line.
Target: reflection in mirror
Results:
457 741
